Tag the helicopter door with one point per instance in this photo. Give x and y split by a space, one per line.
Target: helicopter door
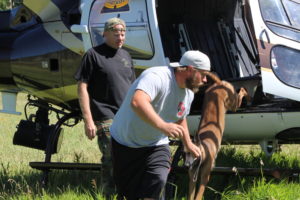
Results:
142 35
277 31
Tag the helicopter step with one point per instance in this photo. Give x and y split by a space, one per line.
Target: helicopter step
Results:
65 165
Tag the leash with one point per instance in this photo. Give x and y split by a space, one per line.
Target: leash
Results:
199 161
196 173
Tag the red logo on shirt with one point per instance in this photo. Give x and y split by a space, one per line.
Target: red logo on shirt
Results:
180 109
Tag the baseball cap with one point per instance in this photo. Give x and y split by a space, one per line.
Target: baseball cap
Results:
194 58
110 23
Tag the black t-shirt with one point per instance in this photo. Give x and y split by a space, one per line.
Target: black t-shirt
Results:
109 73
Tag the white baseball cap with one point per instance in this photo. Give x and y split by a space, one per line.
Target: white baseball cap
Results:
196 59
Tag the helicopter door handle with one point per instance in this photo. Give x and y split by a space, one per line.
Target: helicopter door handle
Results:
77 28
261 38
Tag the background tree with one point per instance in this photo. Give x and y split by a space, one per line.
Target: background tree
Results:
5 4
9 4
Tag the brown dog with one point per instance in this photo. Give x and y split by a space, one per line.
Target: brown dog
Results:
218 98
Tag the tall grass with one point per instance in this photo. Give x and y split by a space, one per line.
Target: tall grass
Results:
19 181
261 186
238 187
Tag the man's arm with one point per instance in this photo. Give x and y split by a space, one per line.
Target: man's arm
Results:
186 139
84 101
141 104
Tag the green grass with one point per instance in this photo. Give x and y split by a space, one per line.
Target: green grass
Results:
261 186
19 181
262 190
238 187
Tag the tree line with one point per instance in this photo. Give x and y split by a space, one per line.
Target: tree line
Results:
9 4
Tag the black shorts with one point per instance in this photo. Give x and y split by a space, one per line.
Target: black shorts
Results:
140 172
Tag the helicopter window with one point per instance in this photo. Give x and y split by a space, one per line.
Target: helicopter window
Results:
285 64
272 10
96 35
285 32
139 42
293 10
282 17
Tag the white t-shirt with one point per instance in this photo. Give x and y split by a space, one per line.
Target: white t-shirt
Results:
169 101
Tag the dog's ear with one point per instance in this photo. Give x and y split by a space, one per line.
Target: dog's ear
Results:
235 100
242 93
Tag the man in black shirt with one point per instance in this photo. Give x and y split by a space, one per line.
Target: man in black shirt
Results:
105 75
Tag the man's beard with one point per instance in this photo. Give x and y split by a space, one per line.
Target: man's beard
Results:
192 85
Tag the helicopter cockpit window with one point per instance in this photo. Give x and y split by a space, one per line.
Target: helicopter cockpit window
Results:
138 41
282 17
285 64
293 10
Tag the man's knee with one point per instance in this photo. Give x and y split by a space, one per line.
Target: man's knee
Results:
103 128
104 138
162 179
154 183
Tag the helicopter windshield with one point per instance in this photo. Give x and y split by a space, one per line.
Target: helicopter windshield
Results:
282 17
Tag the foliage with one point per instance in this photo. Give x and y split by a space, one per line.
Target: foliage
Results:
4 4
8 4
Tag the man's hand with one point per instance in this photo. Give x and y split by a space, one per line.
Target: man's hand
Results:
186 140
194 150
90 130
84 101
172 130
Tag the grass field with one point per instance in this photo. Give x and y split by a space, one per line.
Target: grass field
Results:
19 181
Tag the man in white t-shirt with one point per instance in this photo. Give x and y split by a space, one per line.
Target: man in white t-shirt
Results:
154 109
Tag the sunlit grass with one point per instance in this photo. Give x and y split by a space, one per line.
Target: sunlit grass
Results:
19 181
261 189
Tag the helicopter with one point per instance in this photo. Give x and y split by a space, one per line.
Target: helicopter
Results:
251 43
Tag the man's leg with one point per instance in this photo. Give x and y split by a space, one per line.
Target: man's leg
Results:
155 176
129 168
104 144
